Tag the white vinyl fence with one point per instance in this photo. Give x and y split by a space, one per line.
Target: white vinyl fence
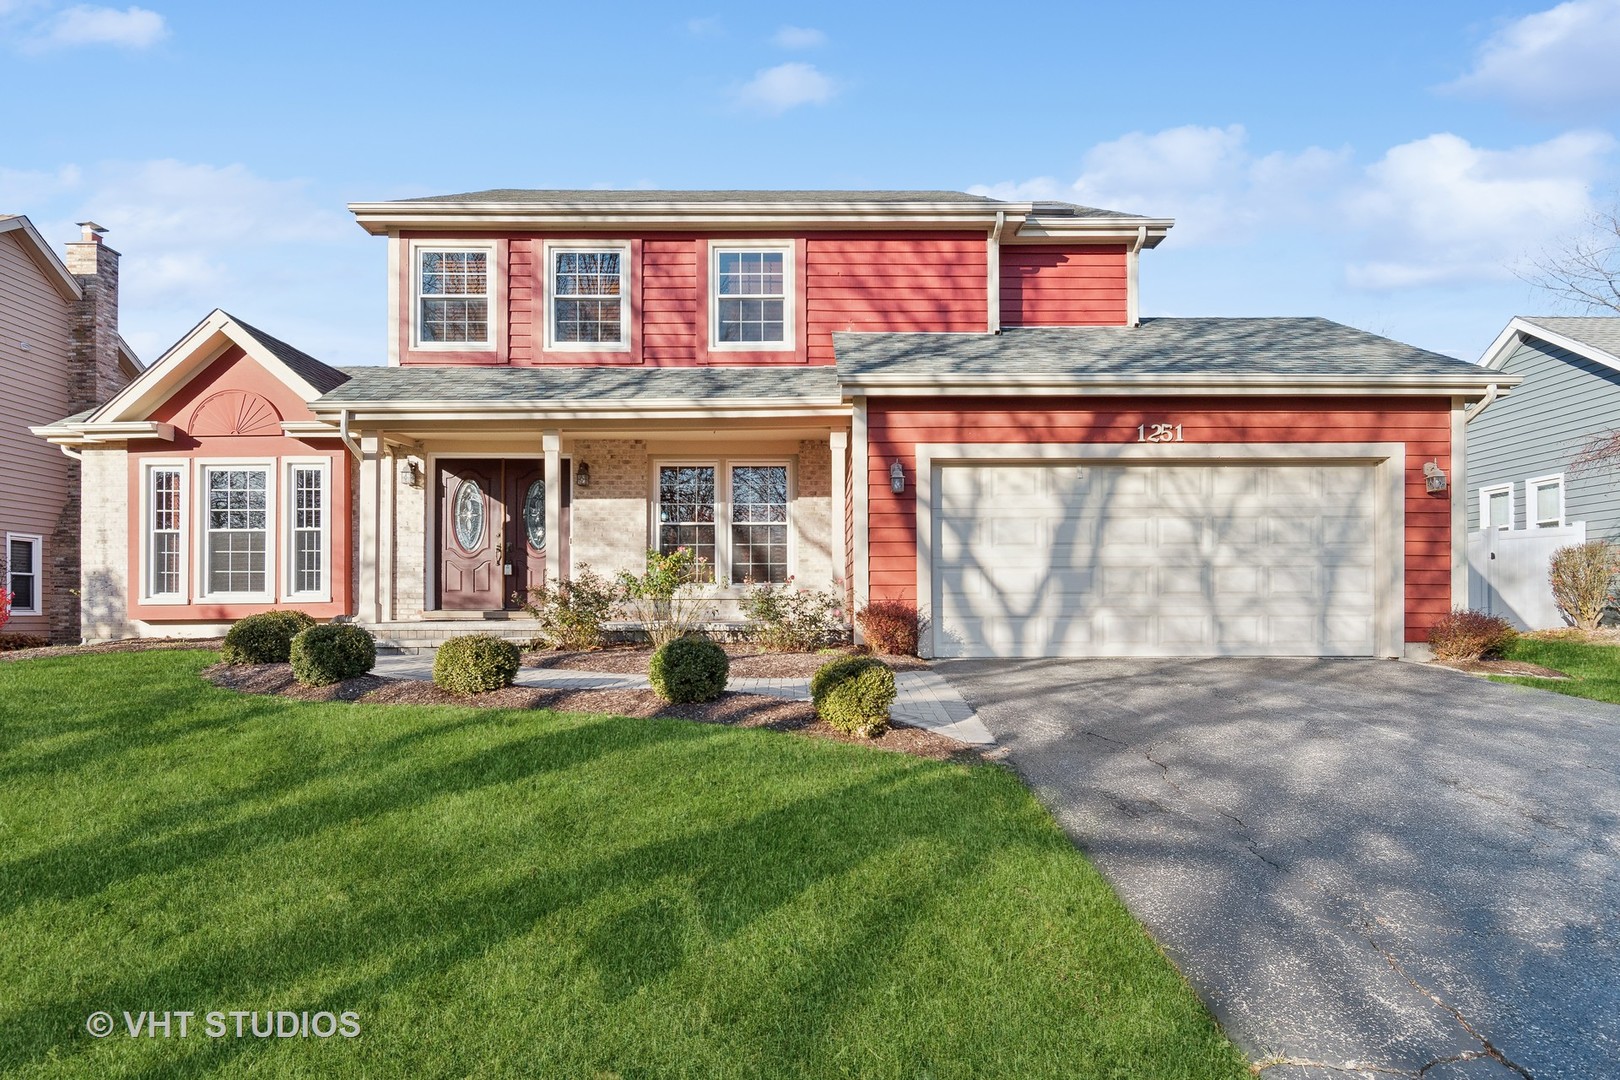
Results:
1507 573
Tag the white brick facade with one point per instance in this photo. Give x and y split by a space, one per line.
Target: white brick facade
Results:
104 546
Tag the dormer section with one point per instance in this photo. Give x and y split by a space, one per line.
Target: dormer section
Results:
1069 265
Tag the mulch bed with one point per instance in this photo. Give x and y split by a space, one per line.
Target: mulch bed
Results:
1502 667
747 662
127 645
731 709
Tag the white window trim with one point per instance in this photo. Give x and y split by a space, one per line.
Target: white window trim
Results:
37 570
1531 487
549 250
790 292
1485 494
289 520
148 467
418 249
722 509
272 563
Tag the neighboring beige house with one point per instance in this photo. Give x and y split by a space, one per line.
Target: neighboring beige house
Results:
60 352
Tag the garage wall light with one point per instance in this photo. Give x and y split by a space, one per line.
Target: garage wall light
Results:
897 478
1434 477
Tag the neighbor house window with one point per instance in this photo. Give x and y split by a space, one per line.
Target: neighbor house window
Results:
1496 507
588 287
306 497
1546 501
164 557
752 297
237 534
686 510
759 509
452 297
23 573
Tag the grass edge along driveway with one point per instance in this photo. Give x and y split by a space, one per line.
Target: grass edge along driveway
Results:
530 893
1593 670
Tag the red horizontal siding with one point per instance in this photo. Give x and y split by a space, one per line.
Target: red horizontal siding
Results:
896 425
901 282
1046 286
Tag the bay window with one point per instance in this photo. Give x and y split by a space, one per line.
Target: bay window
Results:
306 524
165 558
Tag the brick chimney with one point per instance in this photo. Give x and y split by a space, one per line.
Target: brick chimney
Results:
96 375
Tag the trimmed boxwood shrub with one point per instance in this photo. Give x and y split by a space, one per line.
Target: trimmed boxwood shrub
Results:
476 664
835 671
858 704
327 654
690 668
265 638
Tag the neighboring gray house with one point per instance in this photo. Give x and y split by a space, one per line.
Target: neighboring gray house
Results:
1521 451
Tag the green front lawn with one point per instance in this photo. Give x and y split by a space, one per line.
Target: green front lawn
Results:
504 893
1593 670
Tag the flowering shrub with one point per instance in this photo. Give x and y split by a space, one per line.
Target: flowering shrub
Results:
1470 635
667 597
785 619
573 615
5 602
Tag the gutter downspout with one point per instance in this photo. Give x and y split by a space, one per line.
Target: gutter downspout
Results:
1481 405
1133 260
992 289
348 440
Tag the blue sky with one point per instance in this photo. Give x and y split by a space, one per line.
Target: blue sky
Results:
1384 164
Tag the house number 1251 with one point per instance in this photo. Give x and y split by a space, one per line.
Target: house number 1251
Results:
1158 433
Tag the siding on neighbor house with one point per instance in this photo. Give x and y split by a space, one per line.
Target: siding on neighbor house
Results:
34 485
896 425
1538 429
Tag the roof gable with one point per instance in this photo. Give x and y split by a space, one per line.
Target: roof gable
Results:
50 264
1596 337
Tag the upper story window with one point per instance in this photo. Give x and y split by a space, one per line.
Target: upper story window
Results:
1545 498
452 297
587 287
751 302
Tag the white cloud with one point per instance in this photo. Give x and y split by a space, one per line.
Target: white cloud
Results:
1560 57
705 26
786 86
799 37
132 28
1443 210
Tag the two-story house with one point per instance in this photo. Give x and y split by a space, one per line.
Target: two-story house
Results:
925 396
60 353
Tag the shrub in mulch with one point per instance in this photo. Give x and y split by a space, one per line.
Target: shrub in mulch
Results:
690 668
265 638
13 642
890 627
1471 635
476 664
323 655
853 695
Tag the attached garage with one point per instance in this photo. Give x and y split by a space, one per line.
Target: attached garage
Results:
1099 559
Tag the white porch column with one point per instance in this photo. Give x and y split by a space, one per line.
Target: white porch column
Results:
551 441
371 459
860 480
839 441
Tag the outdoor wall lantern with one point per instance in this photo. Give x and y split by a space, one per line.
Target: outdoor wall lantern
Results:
412 473
582 474
1434 477
897 478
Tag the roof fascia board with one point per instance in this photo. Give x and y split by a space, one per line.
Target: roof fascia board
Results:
49 263
1520 328
562 410
1055 230
381 219
1047 385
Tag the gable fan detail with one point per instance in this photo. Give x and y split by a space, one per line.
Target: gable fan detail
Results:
235 412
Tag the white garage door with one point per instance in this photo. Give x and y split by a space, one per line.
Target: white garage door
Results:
1151 560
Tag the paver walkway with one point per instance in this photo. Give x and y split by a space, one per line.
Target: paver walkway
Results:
924 699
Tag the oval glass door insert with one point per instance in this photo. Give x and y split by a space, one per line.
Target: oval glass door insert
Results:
469 515
534 514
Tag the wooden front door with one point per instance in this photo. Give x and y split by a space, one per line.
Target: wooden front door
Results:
492 531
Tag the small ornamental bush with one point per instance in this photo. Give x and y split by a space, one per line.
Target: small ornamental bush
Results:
475 664
836 671
1583 578
785 619
890 627
265 638
859 704
13 642
573 615
690 668
323 655
1471 635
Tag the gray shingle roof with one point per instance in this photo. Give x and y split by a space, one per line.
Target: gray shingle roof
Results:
599 197
1598 331
321 376
1269 346
451 385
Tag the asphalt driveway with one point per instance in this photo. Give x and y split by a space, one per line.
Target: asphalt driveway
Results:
1362 866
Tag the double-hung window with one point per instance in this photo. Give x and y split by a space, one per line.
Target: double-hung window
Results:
236 531
1545 501
752 501
751 302
1496 507
306 531
24 573
587 287
452 297
165 550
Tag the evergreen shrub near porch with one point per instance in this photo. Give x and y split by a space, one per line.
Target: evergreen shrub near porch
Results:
690 668
323 655
265 638
476 664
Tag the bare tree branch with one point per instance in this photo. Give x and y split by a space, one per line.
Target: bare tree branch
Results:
1584 271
